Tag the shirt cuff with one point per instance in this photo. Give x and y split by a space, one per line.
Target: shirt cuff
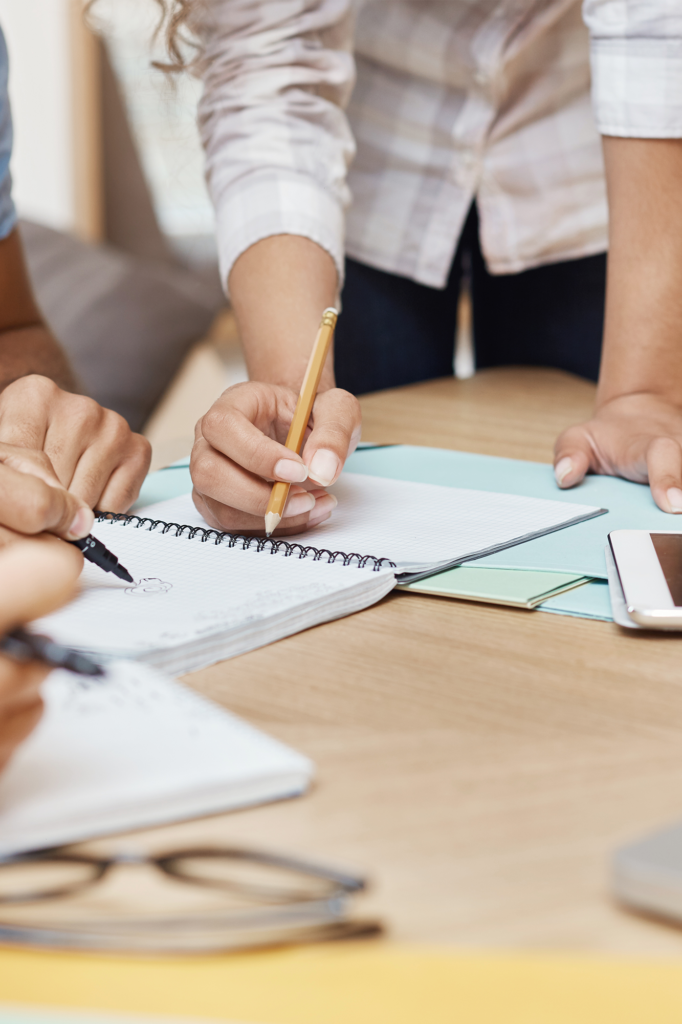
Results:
637 87
268 203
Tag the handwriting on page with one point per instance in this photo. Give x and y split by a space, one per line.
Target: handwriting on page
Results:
150 586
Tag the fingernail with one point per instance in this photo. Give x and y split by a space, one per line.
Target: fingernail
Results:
298 504
324 467
674 496
290 471
82 524
562 470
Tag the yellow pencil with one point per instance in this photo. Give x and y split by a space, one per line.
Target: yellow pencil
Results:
304 407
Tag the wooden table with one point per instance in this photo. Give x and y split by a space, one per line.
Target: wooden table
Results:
479 763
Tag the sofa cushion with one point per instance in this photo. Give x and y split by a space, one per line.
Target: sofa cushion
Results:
125 322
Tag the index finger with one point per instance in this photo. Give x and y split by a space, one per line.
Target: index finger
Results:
230 427
38 576
29 505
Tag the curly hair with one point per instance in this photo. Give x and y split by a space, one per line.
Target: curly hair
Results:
173 16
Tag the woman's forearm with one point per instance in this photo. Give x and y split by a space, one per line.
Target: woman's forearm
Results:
279 288
643 327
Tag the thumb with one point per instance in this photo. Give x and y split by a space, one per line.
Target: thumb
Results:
336 431
38 576
572 457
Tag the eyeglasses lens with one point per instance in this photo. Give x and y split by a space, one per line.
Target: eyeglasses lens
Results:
43 879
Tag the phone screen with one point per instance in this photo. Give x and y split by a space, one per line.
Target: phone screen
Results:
668 548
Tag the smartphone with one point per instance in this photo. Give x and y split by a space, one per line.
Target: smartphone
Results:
649 566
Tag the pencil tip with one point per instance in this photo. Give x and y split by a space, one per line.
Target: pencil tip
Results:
272 521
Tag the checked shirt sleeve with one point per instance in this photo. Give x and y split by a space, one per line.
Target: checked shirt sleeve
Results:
277 75
636 57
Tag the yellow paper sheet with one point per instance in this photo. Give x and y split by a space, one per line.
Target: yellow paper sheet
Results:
354 984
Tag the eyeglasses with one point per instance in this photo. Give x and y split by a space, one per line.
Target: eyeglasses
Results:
245 898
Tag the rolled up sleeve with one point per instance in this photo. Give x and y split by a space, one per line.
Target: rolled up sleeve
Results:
636 56
277 75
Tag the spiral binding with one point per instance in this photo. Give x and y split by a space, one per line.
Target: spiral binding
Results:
273 545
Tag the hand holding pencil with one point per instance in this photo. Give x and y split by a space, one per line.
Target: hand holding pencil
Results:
246 441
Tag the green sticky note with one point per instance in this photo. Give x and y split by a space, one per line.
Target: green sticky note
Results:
517 587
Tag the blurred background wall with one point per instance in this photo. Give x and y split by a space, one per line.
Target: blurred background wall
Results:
41 42
61 89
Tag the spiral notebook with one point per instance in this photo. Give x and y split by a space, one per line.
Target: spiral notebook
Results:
200 595
420 528
133 750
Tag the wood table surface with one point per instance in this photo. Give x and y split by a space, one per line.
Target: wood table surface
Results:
479 763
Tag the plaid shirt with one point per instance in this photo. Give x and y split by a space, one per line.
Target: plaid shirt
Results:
454 99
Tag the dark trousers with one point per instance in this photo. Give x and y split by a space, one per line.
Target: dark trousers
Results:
393 331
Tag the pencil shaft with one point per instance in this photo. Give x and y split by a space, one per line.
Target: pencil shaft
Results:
304 407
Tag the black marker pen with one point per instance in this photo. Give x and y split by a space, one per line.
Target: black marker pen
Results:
22 646
96 553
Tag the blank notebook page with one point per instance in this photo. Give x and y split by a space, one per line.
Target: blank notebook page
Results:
417 526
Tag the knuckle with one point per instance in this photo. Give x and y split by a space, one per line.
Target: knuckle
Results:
110 426
218 422
664 446
213 421
126 493
42 508
85 411
33 388
202 468
37 384
116 429
141 451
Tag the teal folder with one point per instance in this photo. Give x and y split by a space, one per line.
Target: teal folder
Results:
578 549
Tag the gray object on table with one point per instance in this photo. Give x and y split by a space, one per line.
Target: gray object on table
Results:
647 875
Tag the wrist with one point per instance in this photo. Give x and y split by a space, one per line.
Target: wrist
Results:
33 350
289 372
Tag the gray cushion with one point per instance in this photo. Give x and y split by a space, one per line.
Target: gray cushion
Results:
125 322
